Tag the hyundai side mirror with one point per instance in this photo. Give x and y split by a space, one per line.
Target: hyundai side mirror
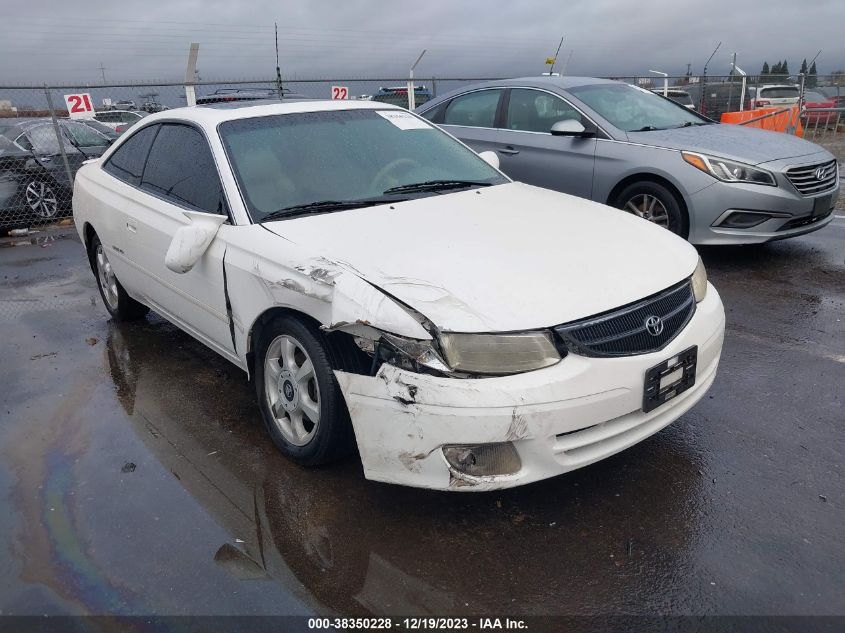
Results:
192 240
571 127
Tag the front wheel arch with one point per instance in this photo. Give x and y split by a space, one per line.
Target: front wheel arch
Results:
648 177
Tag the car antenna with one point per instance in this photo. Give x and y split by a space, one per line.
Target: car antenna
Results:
554 59
278 72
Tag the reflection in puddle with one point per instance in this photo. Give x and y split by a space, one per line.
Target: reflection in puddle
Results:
612 536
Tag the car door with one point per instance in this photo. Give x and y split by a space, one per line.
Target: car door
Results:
180 175
471 117
528 152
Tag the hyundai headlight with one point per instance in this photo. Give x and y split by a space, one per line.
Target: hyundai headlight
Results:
499 353
699 282
728 170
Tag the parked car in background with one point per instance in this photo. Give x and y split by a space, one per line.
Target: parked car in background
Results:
815 100
152 106
624 146
442 353
773 96
681 97
124 104
36 185
229 95
834 93
119 120
718 98
398 95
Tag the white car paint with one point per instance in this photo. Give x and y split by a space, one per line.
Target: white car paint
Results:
506 258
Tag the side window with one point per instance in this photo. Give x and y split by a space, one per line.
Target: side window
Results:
127 162
435 115
476 109
536 111
181 168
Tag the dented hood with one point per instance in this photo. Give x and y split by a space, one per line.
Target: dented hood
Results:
504 258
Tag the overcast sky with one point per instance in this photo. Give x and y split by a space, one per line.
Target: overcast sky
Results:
67 41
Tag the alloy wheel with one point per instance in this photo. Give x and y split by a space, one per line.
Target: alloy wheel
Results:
41 199
292 391
106 278
648 207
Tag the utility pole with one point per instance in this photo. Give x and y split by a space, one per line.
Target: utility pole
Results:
704 79
412 96
278 71
103 71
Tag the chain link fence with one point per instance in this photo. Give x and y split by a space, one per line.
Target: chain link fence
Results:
41 148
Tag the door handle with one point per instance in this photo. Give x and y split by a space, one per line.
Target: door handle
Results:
131 226
508 150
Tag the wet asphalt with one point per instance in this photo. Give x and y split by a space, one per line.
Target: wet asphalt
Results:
136 478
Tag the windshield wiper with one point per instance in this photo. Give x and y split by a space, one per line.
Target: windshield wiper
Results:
325 206
648 128
436 185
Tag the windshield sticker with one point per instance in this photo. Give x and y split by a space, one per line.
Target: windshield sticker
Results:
404 120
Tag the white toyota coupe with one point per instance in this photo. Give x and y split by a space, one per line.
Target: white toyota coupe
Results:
386 287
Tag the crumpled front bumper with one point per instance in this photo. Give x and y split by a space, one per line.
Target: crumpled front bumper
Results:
560 418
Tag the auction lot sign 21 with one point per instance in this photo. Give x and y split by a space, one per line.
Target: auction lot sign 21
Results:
80 106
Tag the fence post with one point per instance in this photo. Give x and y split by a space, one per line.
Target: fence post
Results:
433 87
58 135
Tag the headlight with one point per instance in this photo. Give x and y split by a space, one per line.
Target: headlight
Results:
699 282
729 171
499 353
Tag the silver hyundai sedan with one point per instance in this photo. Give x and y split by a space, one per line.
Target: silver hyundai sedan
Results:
627 147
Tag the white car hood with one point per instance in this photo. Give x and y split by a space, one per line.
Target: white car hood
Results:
504 258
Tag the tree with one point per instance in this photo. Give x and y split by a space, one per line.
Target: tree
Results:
784 69
765 70
812 78
803 70
776 69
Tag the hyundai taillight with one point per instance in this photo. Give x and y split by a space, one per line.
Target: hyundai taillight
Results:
760 103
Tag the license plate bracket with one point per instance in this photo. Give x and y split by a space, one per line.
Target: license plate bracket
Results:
669 379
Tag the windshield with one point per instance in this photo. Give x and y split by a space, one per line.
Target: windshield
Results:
633 109
815 97
781 92
85 136
348 156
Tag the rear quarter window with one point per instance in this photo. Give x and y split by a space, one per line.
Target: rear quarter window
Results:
127 162
181 169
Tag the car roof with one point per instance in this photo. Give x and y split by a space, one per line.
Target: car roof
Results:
215 113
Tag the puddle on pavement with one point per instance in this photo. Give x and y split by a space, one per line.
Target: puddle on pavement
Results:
360 547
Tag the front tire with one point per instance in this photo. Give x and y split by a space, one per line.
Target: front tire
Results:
655 203
301 402
120 305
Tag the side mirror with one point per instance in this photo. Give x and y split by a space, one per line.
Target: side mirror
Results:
570 127
192 240
491 158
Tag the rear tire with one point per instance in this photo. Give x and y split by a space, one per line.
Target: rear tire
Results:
120 305
301 402
656 203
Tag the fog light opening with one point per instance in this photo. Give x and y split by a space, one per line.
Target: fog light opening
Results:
744 219
483 460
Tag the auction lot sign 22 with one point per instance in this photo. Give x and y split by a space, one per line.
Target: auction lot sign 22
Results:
80 106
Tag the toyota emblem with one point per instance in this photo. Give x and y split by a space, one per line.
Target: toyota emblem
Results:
654 325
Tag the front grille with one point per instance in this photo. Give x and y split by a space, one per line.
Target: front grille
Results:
806 177
623 332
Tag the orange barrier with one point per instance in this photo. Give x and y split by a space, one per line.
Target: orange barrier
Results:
765 119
